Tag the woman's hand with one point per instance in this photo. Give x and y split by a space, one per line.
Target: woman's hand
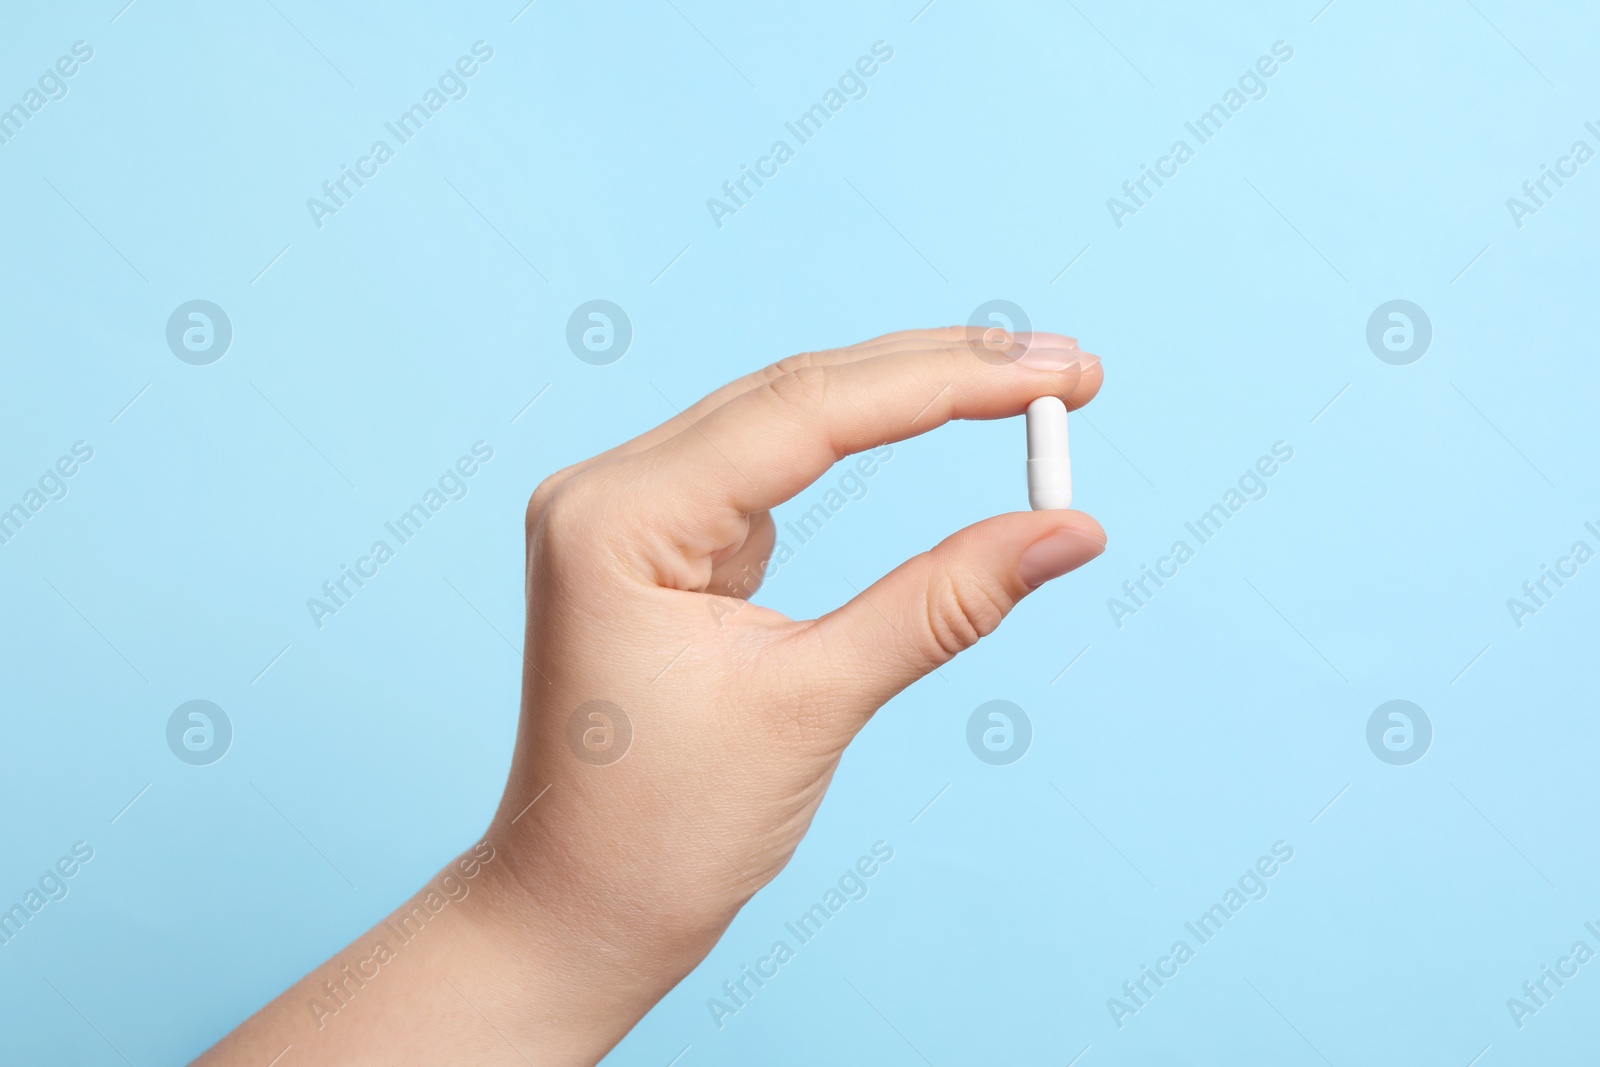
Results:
675 741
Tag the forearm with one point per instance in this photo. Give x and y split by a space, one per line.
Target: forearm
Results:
474 968
434 982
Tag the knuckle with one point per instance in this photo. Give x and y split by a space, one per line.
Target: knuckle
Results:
539 502
804 389
565 522
963 608
791 364
554 513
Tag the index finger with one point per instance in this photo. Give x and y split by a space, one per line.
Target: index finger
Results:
766 445
891 342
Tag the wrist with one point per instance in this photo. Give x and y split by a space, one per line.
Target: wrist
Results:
579 960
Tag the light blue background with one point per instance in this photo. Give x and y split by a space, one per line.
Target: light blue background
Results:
1229 311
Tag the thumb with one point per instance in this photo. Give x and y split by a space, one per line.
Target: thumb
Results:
934 605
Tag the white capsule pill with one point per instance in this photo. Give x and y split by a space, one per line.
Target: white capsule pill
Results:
1049 466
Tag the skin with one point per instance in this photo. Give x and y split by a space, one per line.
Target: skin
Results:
599 885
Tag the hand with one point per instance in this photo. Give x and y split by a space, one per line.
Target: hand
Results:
738 714
675 741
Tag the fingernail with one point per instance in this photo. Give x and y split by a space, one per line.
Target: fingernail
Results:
1038 339
1046 357
1057 553
1088 362
1054 340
